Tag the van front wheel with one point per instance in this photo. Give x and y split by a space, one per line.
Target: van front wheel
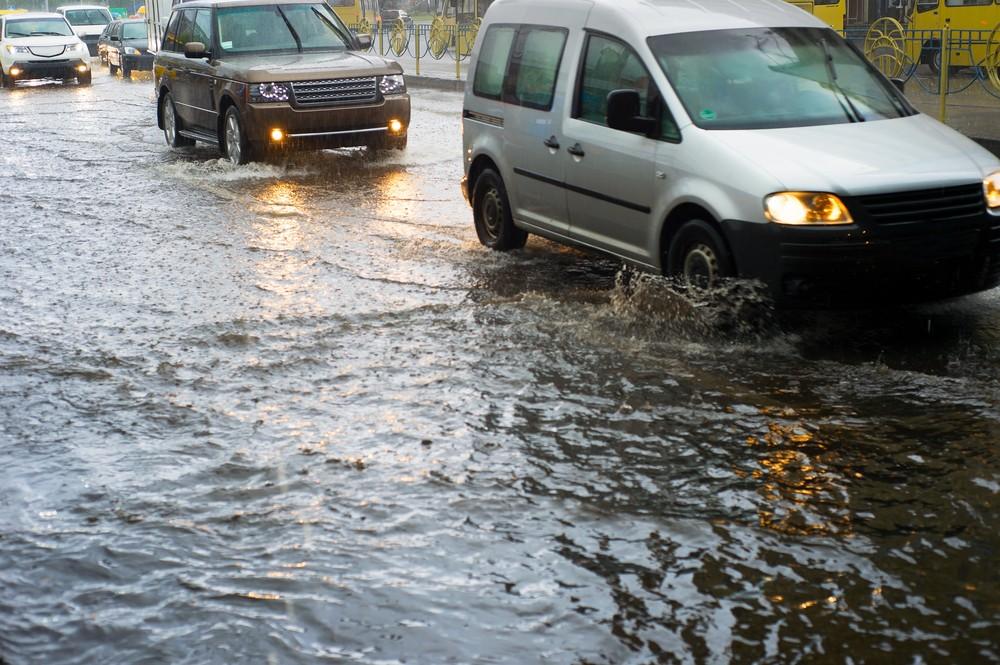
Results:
698 255
491 211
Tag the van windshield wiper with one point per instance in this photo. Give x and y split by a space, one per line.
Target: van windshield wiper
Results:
831 70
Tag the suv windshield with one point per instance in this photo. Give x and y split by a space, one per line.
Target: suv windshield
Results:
774 77
88 16
298 27
134 30
37 26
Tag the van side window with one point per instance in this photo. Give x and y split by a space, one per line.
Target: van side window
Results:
610 65
170 34
535 66
493 56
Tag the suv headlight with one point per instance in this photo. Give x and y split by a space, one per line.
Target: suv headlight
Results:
132 51
17 49
269 92
392 85
991 187
806 209
75 46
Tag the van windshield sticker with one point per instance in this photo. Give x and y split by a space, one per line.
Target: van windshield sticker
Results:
707 114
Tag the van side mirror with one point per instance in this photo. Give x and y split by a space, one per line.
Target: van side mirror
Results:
623 113
364 42
195 50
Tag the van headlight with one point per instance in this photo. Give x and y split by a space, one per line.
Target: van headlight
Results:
17 49
261 93
991 187
392 85
806 209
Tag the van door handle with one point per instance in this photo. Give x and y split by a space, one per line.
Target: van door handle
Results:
577 151
552 142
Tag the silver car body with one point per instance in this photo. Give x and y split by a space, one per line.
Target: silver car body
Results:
618 198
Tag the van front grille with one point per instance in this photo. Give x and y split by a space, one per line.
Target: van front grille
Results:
926 207
336 92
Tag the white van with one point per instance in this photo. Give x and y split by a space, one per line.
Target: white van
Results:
88 22
716 138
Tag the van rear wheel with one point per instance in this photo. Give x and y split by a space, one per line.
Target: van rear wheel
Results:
699 256
491 212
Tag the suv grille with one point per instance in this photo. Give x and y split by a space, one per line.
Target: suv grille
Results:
929 206
335 92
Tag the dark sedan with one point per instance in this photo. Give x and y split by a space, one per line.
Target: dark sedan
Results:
127 48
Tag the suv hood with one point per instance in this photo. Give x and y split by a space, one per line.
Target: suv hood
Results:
863 158
257 68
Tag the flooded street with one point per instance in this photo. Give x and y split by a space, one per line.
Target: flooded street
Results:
295 413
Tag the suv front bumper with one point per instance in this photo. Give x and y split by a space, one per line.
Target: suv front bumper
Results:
40 69
328 127
138 63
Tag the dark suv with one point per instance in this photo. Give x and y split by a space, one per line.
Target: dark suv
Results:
253 75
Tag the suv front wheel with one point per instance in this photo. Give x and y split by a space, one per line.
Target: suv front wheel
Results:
235 145
171 126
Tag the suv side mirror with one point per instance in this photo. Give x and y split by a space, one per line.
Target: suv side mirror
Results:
365 42
623 113
195 50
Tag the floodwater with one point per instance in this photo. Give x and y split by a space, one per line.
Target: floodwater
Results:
294 413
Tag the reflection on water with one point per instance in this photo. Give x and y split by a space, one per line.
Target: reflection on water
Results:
294 413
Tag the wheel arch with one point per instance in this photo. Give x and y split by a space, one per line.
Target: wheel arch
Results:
682 214
224 103
163 92
480 164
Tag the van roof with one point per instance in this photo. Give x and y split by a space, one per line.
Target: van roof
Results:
657 17
33 15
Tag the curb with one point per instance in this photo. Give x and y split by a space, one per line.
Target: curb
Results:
434 83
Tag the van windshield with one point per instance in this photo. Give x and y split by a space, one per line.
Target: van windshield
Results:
760 78
292 27
88 16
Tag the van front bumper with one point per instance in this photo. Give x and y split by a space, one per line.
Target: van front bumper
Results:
331 127
40 69
858 264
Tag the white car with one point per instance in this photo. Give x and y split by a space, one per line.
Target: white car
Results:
88 22
41 45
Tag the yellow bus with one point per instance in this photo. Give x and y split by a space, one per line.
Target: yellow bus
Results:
831 12
456 25
360 15
962 16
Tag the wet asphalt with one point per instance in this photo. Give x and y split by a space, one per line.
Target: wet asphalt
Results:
293 412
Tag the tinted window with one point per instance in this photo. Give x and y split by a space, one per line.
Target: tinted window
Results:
134 30
170 35
492 66
202 30
610 65
185 31
88 16
535 66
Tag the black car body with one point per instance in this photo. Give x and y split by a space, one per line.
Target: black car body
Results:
127 47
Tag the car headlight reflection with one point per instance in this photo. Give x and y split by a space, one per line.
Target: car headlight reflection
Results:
269 92
991 188
392 85
806 209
